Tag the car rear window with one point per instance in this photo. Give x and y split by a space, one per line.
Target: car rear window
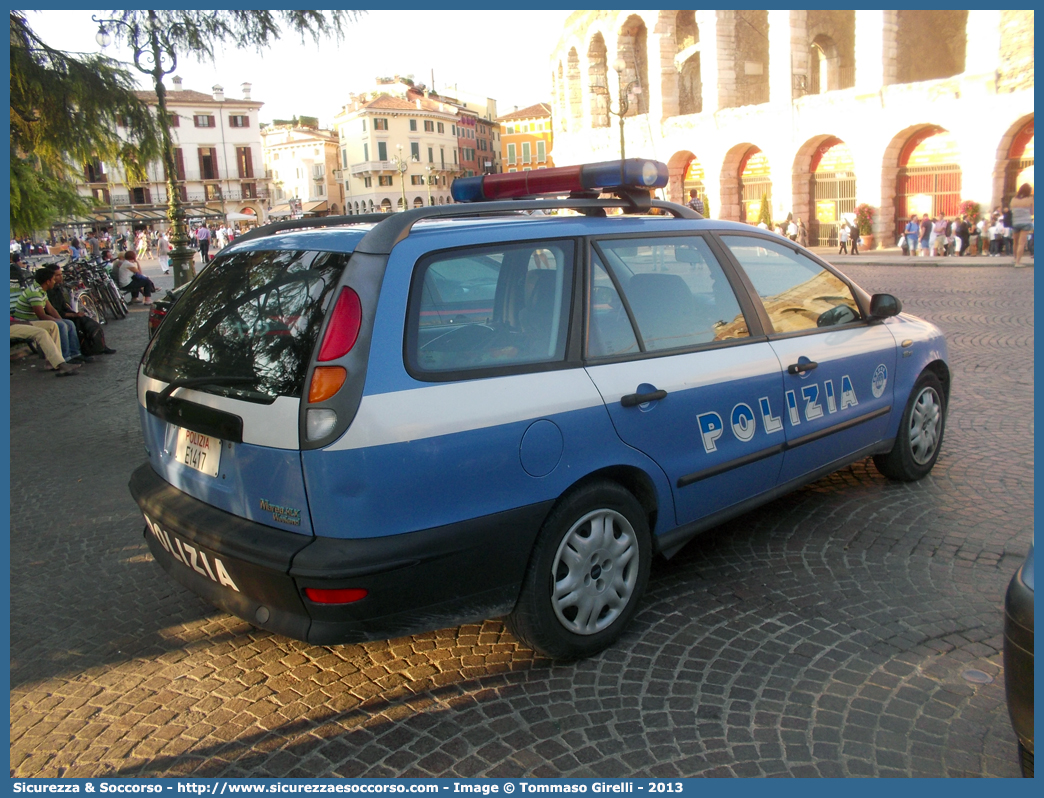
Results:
251 319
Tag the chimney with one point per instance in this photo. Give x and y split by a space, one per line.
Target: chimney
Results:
418 103
219 93
177 84
245 88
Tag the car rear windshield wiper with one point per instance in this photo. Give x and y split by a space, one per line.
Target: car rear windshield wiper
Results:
192 382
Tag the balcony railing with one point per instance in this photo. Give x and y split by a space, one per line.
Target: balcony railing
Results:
160 198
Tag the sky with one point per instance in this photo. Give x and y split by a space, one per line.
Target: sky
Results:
511 64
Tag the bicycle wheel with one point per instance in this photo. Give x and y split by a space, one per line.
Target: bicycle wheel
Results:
89 306
109 303
118 304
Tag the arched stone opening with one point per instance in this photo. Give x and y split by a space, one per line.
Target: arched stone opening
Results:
598 81
687 62
824 187
631 48
831 37
751 57
1015 159
734 204
927 172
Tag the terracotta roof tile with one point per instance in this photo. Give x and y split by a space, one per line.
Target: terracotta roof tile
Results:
537 111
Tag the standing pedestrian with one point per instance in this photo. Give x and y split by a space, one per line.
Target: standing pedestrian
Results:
910 233
842 238
926 235
163 252
695 202
802 234
1022 220
203 237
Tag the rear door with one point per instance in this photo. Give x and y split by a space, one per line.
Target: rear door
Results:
669 347
838 369
220 385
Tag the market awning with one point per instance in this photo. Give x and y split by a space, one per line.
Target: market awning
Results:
232 216
314 208
279 211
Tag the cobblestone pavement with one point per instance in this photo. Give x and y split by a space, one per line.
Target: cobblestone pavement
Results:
824 634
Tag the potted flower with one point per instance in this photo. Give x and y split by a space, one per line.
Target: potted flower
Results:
865 223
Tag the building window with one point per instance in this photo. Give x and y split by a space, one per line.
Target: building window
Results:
140 196
442 128
526 152
455 156
415 150
94 173
511 155
364 125
431 157
429 126
384 180
212 191
416 180
380 124
320 190
203 120
382 151
244 162
453 129
366 152
239 120
344 159
510 129
208 163
368 182
101 194
174 119
249 190
541 152
413 125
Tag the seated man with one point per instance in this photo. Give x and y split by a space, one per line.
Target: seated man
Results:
32 306
129 276
44 334
91 334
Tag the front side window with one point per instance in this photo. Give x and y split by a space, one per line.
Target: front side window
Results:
656 294
491 308
797 292
254 316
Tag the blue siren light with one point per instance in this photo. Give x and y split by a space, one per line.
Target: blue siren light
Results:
609 176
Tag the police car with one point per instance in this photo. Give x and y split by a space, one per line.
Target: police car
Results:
364 427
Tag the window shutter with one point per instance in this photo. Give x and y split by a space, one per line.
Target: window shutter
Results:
179 163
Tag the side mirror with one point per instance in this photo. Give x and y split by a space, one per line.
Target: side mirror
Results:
884 305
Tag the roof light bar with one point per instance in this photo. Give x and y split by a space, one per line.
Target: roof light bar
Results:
608 176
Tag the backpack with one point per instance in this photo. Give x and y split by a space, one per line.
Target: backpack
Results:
92 336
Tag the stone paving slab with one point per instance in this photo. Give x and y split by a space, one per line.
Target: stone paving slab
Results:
824 634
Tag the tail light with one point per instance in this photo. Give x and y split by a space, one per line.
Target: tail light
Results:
344 595
343 330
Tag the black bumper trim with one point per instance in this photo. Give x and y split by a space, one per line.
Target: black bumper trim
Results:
418 581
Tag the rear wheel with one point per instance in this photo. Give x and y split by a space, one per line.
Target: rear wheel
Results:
920 433
119 306
589 568
90 307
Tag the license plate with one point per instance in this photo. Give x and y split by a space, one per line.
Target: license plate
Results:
201 452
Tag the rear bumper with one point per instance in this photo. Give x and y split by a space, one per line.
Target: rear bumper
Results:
416 582
1018 657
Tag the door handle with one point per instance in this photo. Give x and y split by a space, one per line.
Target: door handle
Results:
635 399
801 368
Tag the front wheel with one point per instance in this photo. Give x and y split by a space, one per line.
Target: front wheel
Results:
589 568
91 309
920 433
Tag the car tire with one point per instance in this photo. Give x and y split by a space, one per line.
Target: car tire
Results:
588 570
920 435
1025 761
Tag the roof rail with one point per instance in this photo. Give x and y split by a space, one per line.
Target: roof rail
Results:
272 228
382 238
393 228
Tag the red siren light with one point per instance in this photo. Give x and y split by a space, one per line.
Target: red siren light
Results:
609 176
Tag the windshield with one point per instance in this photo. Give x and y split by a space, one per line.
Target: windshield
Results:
251 319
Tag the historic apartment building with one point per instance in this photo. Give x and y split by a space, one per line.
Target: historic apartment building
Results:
219 164
816 111
303 163
378 136
526 138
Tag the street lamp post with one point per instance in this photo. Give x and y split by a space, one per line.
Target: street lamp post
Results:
401 164
157 58
622 103
427 183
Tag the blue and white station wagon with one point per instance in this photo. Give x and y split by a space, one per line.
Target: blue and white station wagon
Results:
363 427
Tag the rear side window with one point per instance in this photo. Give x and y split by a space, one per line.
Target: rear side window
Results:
797 292
675 296
252 315
491 308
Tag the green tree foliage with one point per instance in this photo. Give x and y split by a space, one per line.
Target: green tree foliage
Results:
64 110
766 210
